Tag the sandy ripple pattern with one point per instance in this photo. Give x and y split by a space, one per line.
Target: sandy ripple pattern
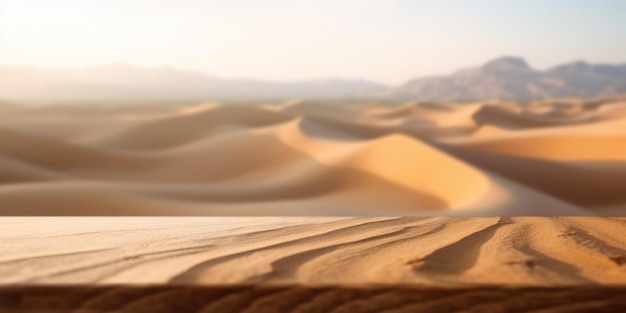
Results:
435 251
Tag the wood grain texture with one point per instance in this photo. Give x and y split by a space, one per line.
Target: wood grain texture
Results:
250 299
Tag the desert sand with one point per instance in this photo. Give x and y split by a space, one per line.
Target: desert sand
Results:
427 251
304 158
312 264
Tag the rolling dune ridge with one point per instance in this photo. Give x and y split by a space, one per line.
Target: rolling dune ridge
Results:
303 158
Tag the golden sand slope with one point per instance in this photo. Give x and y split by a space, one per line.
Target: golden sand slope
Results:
560 157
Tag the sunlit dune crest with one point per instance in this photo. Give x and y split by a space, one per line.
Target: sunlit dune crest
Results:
549 157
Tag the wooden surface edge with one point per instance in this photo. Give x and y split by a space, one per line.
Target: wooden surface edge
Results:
306 299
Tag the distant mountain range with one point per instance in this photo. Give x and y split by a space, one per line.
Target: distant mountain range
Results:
512 78
502 78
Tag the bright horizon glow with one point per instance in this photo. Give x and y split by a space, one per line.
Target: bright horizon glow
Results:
386 41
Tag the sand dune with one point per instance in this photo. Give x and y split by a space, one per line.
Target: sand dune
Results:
188 126
552 157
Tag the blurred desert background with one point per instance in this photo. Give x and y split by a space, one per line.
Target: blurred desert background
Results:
359 108
546 157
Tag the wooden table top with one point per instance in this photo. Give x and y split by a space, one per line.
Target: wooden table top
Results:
310 263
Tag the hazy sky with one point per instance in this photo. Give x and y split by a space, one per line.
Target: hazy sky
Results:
385 40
